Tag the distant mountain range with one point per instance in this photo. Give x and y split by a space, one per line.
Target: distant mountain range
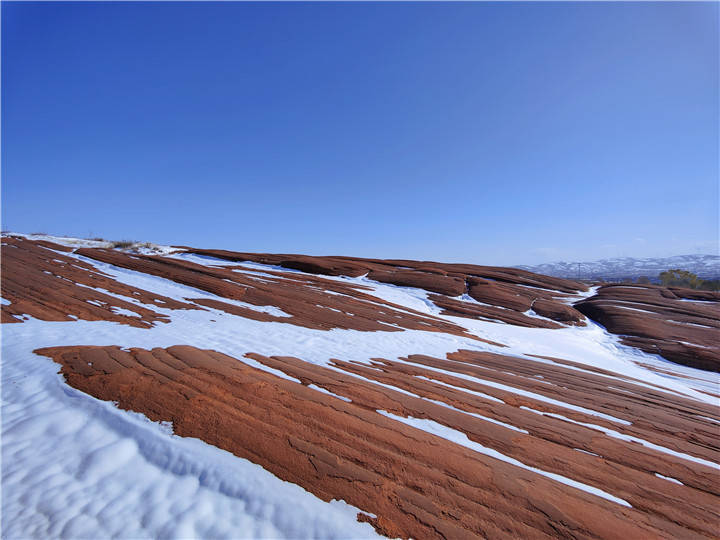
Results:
705 266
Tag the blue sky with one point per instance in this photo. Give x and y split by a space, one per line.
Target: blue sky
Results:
505 133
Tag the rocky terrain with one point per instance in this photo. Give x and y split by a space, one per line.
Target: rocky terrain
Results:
682 325
176 391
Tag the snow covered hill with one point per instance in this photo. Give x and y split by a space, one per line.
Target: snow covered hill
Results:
705 266
153 391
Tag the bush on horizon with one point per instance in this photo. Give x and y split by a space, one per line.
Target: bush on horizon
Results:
683 278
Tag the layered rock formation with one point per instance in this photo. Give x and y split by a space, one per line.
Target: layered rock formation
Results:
530 423
681 325
506 294
419 485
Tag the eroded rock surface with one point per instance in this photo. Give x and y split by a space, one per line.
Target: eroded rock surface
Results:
681 325
41 281
490 442
514 290
306 298
420 485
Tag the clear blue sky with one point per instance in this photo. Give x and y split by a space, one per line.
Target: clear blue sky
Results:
492 133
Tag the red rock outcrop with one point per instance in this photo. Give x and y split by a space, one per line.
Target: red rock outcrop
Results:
418 484
670 322
458 308
501 446
308 299
41 282
510 288
499 294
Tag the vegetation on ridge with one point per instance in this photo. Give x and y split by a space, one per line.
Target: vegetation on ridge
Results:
684 278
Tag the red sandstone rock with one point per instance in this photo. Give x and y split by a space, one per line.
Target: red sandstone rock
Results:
470 310
505 287
42 282
557 311
658 321
417 484
450 286
499 294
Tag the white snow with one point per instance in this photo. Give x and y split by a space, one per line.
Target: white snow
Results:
669 479
636 309
270 310
76 467
690 324
586 452
711 302
204 260
122 311
324 391
67 241
144 248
